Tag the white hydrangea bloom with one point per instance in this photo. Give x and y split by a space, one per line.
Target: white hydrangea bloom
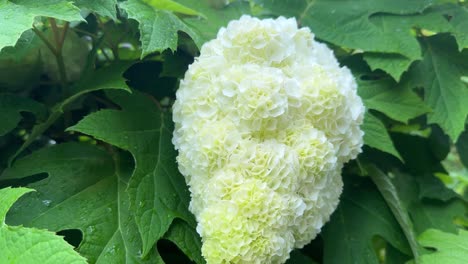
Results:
265 118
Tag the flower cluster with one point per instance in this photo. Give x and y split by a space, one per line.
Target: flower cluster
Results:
265 118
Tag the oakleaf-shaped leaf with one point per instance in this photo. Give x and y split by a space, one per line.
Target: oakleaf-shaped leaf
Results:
86 190
398 208
11 107
404 28
393 64
20 245
361 215
171 6
106 8
441 71
333 22
158 27
157 190
18 16
376 135
450 248
427 213
214 18
396 101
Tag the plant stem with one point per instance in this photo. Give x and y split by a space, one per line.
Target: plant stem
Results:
45 40
59 41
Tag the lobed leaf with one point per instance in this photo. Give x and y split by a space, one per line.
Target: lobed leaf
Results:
18 16
394 202
450 248
85 189
158 193
376 135
397 101
11 106
361 215
21 245
441 71
158 27
105 8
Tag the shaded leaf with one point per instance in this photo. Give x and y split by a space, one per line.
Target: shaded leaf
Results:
399 210
427 213
396 101
361 215
157 190
105 78
393 64
106 8
20 65
187 239
76 50
11 107
376 135
21 245
462 147
297 257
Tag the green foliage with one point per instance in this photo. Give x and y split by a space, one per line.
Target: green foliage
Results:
361 215
450 248
441 71
157 191
376 135
86 122
12 105
29 245
18 16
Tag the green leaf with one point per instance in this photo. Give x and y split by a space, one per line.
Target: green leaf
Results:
441 70
297 257
12 105
418 153
404 28
427 212
21 245
157 190
171 6
187 239
397 101
109 77
450 248
393 64
462 147
26 47
214 18
394 202
361 215
20 65
457 16
85 190
376 135
333 22
158 28
18 16
106 8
